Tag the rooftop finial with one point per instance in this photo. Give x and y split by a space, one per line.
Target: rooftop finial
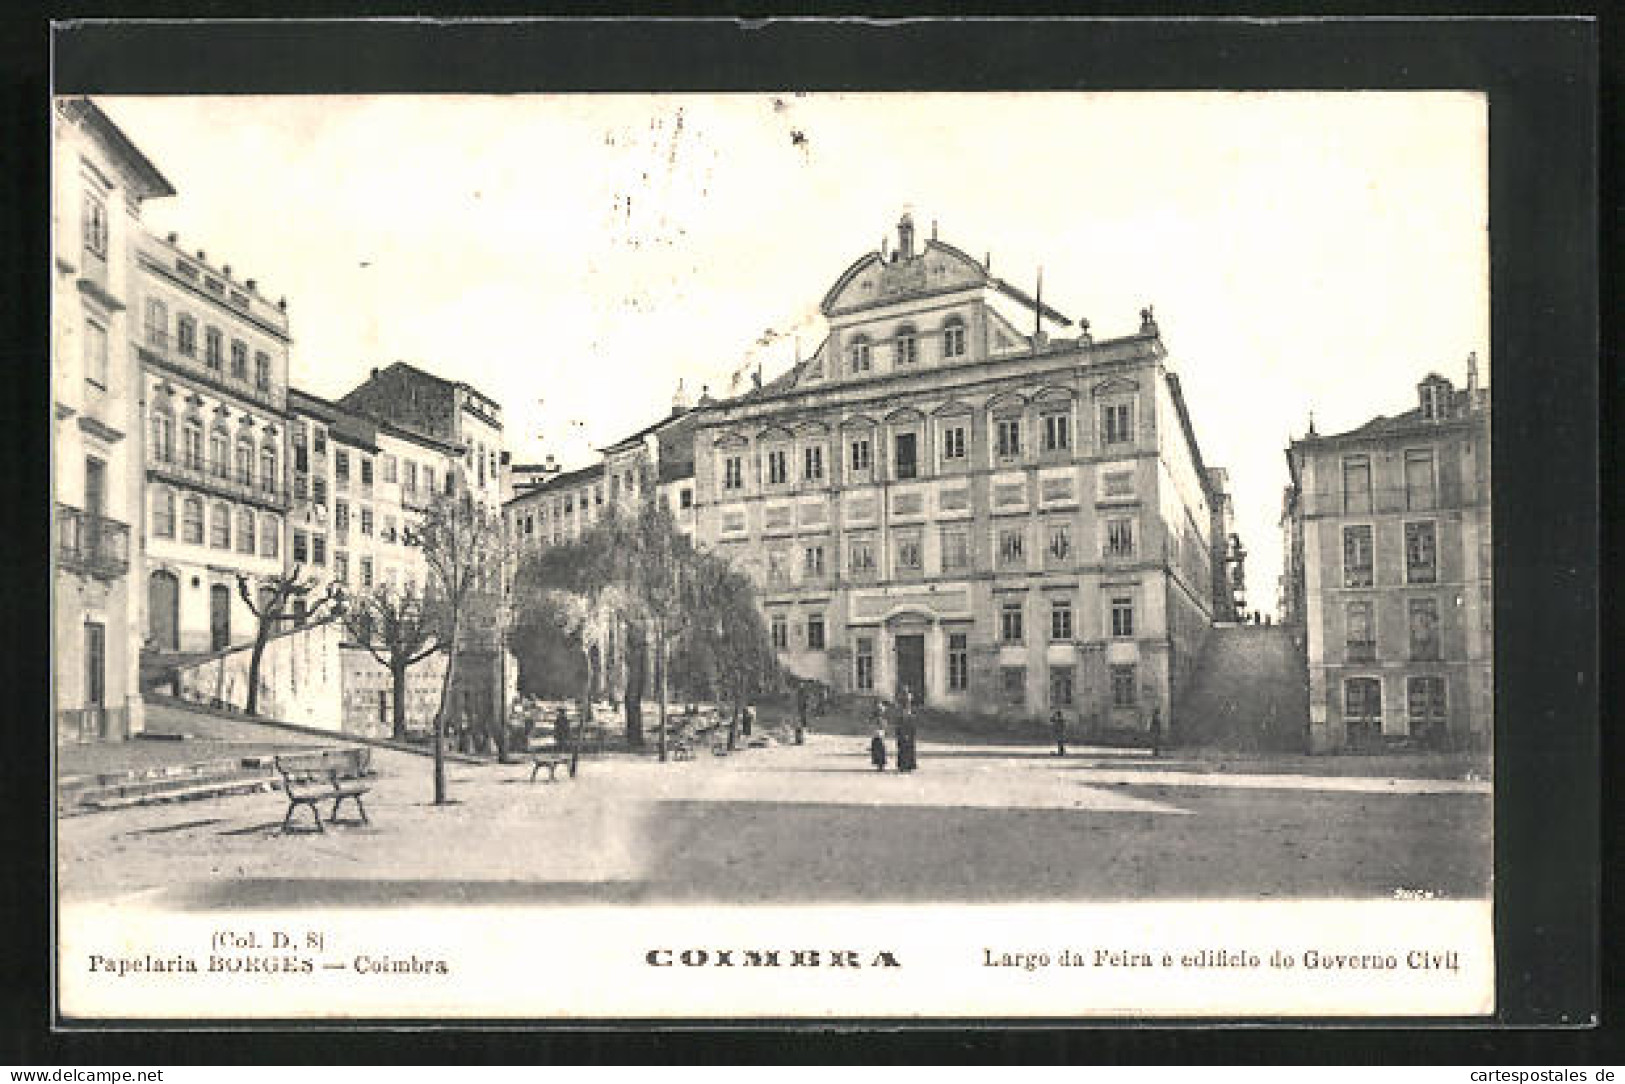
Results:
1312 432
1148 321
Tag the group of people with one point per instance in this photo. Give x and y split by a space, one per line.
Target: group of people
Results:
905 732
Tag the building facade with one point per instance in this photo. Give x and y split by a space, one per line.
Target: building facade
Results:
989 519
1388 539
99 182
214 370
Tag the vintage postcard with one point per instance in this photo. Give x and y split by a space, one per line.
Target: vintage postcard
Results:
772 556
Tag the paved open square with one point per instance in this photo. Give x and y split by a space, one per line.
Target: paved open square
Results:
808 824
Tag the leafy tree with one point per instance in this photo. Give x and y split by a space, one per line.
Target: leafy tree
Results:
588 619
729 636
273 608
464 548
399 628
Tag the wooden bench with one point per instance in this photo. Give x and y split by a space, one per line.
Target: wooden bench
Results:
308 778
552 763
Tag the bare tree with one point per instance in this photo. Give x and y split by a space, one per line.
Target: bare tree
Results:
273 608
399 628
463 546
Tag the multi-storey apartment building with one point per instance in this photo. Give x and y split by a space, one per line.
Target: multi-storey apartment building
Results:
99 181
450 412
990 519
1388 533
214 367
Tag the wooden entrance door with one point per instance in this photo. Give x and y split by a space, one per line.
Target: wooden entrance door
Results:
911 668
164 610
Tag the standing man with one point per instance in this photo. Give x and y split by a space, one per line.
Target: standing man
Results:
1156 732
1057 726
801 714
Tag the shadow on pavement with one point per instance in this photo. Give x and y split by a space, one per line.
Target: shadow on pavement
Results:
269 892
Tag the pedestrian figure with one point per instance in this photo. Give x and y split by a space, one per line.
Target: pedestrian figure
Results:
877 749
1156 731
801 714
906 751
1057 725
745 719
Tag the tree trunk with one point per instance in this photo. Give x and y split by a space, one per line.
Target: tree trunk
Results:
660 663
733 721
581 723
252 705
440 716
397 681
637 666
499 703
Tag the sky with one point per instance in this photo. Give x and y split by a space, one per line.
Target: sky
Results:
574 256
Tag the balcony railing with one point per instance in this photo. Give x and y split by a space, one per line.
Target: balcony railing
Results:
257 491
90 543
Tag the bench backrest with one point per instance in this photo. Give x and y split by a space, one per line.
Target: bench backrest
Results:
324 765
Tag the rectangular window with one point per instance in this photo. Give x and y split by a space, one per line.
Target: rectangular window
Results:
391 469
262 371
1421 553
812 463
301 547
389 529
366 472
1117 423
953 341
813 561
213 348
1424 699
157 323
861 558
1424 626
1123 616
220 527
860 456
1059 549
94 225
186 336
341 518
1060 619
1420 490
1361 639
733 473
366 572
1013 681
863 659
1057 432
341 468
318 549
909 558
1010 623
318 489
270 536
192 521
781 632
318 444
907 464
239 359
96 355
1060 686
1357 485
955 549
411 483
1119 538
1008 433
1125 686
953 442
815 632
958 662
1012 547
341 567
1357 556
778 471
366 521
685 498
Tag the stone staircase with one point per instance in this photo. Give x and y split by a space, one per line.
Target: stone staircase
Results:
169 783
1249 693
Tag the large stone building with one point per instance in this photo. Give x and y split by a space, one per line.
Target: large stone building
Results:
214 368
993 518
99 181
1387 539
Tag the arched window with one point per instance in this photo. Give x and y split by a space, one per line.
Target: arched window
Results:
163 430
163 512
245 461
953 338
270 536
906 346
220 527
245 531
268 467
192 521
861 362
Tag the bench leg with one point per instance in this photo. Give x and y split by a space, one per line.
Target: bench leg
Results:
534 768
315 814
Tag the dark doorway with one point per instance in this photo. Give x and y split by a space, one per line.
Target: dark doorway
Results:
219 617
95 664
163 610
907 464
911 668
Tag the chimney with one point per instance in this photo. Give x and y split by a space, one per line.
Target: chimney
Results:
200 255
173 237
1472 373
226 270
933 229
251 284
905 236
282 303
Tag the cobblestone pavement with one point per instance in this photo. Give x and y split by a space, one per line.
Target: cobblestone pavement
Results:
813 823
